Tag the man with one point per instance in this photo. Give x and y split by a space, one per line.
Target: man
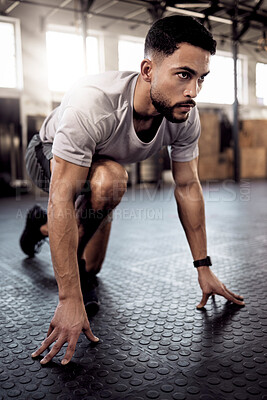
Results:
103 122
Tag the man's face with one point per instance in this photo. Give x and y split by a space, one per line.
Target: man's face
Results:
176 81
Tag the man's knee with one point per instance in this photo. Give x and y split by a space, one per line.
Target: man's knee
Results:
108 182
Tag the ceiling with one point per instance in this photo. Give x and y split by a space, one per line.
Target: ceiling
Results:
136 16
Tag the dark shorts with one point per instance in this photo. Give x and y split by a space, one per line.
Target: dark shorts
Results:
38 156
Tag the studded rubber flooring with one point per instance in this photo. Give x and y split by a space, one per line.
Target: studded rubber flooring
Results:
154 343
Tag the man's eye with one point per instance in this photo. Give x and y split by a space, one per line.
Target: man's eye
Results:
201 79
183 75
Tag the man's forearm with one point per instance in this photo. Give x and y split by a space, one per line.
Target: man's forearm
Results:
63 238
191 212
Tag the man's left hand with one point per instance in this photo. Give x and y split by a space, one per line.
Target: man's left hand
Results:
211 285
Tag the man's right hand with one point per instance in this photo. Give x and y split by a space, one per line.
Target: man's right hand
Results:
70 319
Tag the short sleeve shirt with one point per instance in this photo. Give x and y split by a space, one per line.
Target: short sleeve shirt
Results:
96 117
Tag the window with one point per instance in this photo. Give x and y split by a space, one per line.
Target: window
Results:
10 67
66 59
92 55
261 83
131 53
218 86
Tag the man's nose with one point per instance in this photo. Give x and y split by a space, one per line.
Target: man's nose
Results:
192 89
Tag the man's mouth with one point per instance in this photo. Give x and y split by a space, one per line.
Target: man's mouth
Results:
185 107
188 104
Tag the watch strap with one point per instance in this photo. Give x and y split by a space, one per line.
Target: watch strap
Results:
205 262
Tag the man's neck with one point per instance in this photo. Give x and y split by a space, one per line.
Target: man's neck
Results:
143 106
146 119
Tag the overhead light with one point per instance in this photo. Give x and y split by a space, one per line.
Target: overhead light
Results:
135 13
11 7
185 12
192 5
105 6
199 15
219 19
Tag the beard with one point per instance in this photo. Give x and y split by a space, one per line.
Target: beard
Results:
164 108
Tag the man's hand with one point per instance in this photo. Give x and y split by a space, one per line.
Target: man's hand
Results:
69 321
211 285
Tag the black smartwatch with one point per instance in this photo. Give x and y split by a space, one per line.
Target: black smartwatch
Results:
205 262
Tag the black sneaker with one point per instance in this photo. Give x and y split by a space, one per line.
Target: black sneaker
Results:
32 239
88 285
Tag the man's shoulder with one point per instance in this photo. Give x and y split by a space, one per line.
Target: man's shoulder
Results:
107 82
108 91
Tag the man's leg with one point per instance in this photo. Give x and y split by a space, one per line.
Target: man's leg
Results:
95 250
90 264
35 231
108 183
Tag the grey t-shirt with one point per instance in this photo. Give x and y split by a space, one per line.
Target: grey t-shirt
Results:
96 117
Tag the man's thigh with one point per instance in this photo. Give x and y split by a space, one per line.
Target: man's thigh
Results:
107 180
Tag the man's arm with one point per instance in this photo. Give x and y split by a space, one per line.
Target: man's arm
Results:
191 211
70 316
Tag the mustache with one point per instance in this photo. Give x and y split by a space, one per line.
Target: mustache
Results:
188 102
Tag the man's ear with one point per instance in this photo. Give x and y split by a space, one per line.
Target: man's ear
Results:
146 69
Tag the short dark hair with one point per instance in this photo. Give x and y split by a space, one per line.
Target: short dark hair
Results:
165 35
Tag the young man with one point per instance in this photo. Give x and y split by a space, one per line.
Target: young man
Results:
103 122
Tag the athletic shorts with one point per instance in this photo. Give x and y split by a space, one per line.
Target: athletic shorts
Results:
38 156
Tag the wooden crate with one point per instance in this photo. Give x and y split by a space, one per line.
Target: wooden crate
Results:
245 138
209 142
253 162
254 133
216 166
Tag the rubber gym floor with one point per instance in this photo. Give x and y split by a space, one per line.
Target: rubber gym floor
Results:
154 343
